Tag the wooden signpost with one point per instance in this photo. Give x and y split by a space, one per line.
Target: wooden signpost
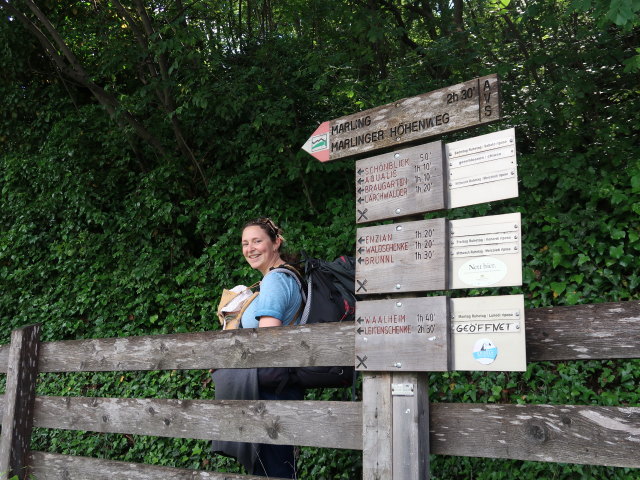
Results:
464 105
402 257
409 334
400 183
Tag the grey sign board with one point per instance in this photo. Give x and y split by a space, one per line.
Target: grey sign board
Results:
404 334
400 183
402 257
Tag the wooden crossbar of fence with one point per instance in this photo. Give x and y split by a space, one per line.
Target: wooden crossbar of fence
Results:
553 433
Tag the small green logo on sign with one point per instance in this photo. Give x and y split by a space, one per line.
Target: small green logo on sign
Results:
319 142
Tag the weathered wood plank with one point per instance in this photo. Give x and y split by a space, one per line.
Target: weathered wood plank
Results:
318 344
403 334
19 401
597 331
411 428
51 466
319 424
377 455
395 258
401 183
590 435
582 332
452 108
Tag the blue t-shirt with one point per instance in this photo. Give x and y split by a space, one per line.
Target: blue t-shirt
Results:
279 297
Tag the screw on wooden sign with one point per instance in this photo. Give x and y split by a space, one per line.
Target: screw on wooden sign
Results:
400 183
452 108
411 334
396 258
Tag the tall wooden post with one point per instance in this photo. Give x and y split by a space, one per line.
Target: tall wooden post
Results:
19 400
395 426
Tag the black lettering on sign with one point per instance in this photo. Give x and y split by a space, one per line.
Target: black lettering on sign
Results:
351 125
363 139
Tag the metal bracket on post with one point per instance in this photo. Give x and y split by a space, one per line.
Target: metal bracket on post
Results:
19 400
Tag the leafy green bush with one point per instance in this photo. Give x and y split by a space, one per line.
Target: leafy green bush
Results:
106 233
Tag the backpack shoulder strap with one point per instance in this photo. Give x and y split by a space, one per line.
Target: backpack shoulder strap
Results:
289 270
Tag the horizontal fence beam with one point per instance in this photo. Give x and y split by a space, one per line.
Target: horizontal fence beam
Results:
589 435
584 332
313 345
326 424
599 331
51 466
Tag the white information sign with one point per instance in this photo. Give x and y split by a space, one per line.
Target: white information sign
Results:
485 251
482 169
488 333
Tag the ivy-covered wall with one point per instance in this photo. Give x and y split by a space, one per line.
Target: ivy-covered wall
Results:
125 177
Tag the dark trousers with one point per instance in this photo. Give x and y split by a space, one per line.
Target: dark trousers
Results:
277 460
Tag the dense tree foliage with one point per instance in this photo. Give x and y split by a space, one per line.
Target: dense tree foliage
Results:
136 136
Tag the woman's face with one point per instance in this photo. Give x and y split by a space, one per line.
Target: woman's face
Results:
259 250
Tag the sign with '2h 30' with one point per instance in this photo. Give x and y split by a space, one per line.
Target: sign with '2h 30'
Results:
452 108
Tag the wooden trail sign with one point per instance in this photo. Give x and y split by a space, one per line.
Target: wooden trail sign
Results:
403 257
403 334
400 183
452 108
436 176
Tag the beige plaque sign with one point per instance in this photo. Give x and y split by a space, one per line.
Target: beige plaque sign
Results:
400 183
482 169
485 251
409 334
402 257
488 333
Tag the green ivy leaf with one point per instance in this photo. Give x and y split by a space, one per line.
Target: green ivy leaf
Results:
616 252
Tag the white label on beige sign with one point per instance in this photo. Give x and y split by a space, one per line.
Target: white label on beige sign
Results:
482 272
485 251
488 333
481 169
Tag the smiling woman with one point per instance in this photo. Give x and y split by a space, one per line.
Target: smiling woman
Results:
279 303
280 296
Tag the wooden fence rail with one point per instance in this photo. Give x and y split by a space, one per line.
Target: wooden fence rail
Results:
554 433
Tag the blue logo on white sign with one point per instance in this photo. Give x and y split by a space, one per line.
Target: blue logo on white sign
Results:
484 351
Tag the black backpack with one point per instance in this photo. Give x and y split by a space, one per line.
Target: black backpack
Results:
328 292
